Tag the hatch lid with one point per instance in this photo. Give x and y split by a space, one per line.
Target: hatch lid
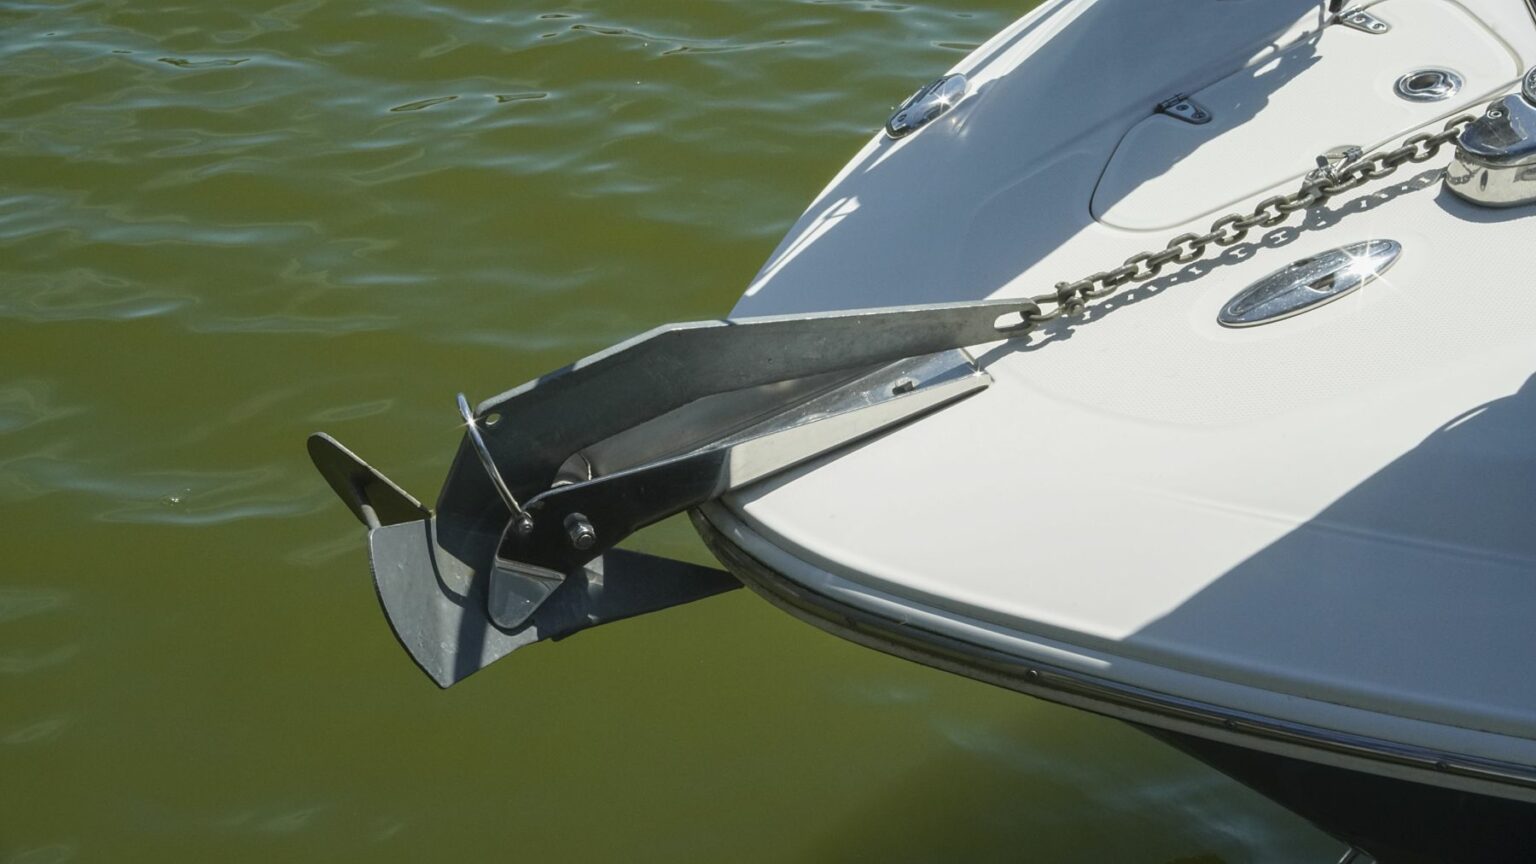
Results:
1270 119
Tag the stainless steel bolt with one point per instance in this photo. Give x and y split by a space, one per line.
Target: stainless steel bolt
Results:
581 532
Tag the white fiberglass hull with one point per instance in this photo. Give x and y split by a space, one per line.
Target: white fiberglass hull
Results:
1308 538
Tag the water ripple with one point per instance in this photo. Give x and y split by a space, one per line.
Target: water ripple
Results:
53 853
200 498
278 152
223 225
170 497
19 603
25 664
31 402
36 732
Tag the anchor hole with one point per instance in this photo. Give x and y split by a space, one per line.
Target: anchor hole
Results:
1010 323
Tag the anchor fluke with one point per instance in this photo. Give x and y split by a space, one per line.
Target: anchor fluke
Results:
455 620
373 498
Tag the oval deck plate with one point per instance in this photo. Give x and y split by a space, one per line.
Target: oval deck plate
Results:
1309 283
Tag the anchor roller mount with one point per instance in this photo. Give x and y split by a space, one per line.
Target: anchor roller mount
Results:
550 476
1495 164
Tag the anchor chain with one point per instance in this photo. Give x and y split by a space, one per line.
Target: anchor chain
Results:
1337 172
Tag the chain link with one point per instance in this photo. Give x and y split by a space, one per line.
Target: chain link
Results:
1331 178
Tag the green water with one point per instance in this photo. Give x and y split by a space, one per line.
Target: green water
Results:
225 225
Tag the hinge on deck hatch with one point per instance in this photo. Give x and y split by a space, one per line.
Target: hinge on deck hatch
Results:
1363 20
1183 107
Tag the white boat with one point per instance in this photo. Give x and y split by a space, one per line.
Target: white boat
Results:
1265 490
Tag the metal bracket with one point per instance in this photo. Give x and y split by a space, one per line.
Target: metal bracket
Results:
1495 163
1363 20
1331 163
550 476
573 522
1182 107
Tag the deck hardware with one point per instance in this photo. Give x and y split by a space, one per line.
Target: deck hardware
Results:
1495 164
675 418
521 546
580 531
1182 107
520 517
1363 20
1528 86
1428 85
371 497
927 104
1332 163
1309 283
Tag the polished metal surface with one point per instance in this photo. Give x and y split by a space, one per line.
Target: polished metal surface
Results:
1331 164
1528 86
612 506
580 531
568 411
472 431
1363 20
1428 85
1182 107
574 522
1495 164
927 105
1309 283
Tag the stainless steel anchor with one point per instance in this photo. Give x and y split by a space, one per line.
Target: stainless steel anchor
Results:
550 476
